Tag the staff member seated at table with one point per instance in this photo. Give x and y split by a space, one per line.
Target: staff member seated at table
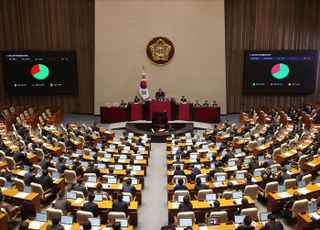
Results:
62 203
120 205
128 187
214 104
55 224
90 206
160 95
186 205
180 185
206 103
45 180
61 166
183 99
246 224
178 171
136 99
80 187
196 104
122 104
200 186
272 224
30 177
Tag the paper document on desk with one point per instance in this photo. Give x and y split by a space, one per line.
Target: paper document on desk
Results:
253 179
133 172
311 164
233 168
120 186
122 160
234 182
13 146
21 173
203 228
35 225
21 195
106 186
218 184
91 185
304 191
106 229
67 227
78 200
175 204
287 154
3 189
284 194
315 215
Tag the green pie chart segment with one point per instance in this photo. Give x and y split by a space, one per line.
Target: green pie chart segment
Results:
280 71
40 71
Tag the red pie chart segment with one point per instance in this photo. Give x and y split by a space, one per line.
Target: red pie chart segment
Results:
35 69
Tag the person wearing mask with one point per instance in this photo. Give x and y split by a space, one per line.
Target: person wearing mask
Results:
186 205
272 224
90 206
55 224
62 203
120 205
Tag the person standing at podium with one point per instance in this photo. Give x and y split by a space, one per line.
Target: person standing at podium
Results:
160 95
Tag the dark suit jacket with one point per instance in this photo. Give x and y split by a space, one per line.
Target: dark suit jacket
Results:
60 166
19 156
45 163
180 187
62 204
81 188
243 227
55 227
178 172
272 225
199 187
120 206
91 207
29 178
46 182
185 207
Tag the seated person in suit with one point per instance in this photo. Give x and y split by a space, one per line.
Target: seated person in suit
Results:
194 173
87 226
30 177
267 177
20 156
99 191
116 226
92 169
246 224
80 187
77 168
90 206
206 103
272 224
160 95
244 204
180 185
45 163
200 186
186 205
216 207
95 127
128 187
136 99
120 205
183 99
178 171
45 180
253 165
55 224
283 175
215 104
62 203
122 104
302 174
61 166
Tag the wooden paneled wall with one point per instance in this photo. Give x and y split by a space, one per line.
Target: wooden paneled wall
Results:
267 24
51 25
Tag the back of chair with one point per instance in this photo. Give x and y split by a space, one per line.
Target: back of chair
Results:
302 160
252 191
38 189
112 216
186 215
52 212
70 177
83 216
79 194
223 216
3 180
180 193
19 184
290 183
271 187
177 177
39 153
227 194
87 175
252 145
250 212
220 174
62 146
307 178
203 175
203 192
11 162
5 212
299 206
128 194
52 170
276 151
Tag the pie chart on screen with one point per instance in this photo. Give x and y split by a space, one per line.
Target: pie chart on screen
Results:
40 71
280 71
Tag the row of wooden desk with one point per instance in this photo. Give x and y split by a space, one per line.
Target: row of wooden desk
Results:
139 111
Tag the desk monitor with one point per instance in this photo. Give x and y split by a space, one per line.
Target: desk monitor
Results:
71 195
221 178
79 151
98 198
264 216
288 167
185 222
301 184
141 148
95 222
118 167
213 220
211 197
67 220
55 175
107 155
55 159
209 155
123 156
123 222
92 179
134 181
218 144
274 169
130 134
212 166
238 151
98 145
7 184
257 173
312 208
205 147
126 148
203 180
136 168
27 189
39 171
246 161
41 217
26 168
84 164
197 166
92 153
126 198
281 188
237 195
318 179
69 162
260 158
101 166
240 176
112 146
180 199
238 219
112 180
188 134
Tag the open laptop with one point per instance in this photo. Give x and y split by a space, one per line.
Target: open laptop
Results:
240 176
123 222
231 163
264 216
185 222
7 184
118 167
301 184
41 217
84 164
246 161
238 219
95 222
27 189
221 178
66 220
211 197
98 198
107 155
98 145
71 195
281 188
79 151
55 159
112 181
257 173
26 168
260 158
126 198
203 180
213 220
237 195
92 179
55 175
312 208
101 166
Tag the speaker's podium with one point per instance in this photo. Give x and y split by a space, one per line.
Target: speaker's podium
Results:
160 106
159 119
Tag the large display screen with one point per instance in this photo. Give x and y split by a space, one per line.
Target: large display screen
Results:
280 71
40 72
